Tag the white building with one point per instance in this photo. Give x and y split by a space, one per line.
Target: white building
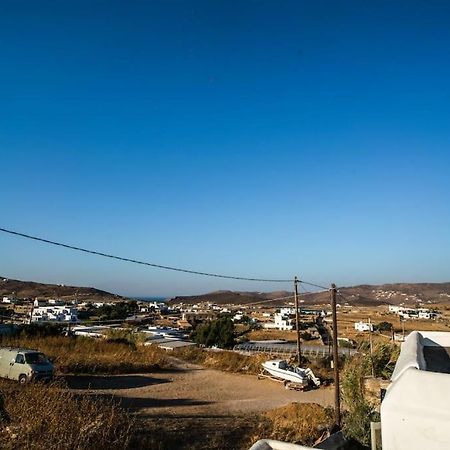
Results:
426 314
65 314
39 302
287 311
55 302
415 413
363 326
412 313
283 321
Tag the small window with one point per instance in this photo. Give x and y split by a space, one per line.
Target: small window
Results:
20 359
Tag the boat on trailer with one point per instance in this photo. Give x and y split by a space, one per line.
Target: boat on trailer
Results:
292 376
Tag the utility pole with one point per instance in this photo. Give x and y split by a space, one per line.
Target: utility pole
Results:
297 321
371 348
337 401
32 310
402 320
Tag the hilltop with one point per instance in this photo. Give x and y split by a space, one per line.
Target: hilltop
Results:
361 295
232 297
25 289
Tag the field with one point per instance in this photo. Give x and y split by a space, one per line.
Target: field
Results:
41 417
348 316
85 355
122 395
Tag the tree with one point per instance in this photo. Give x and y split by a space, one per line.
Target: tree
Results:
384 326
306 336
117 311
219 332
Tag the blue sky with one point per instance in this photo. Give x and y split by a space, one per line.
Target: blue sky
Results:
256 138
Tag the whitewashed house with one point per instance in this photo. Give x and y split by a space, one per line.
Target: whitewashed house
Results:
363 326
64 314
287 311
283 322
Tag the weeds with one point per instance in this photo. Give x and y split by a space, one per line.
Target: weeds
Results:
78 355
298 423
228 361
52 417
359 410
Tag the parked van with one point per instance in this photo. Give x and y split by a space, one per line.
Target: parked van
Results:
24 365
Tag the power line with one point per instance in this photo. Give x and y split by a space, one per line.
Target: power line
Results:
305 291
159 266
268 300
325 288
346 297
301 294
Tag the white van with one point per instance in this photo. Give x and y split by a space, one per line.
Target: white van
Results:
24 365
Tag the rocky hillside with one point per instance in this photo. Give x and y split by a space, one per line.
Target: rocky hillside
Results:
24 289
362 295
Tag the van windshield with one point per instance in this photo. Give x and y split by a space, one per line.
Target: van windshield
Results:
36 358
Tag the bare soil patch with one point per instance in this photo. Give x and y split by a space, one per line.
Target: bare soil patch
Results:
195 407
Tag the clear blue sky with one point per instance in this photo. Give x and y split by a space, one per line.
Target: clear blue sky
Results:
254 138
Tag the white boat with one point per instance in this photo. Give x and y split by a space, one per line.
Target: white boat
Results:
279 368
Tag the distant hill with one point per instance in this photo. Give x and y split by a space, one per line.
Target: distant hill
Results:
24 289
396 293
231 297
362 295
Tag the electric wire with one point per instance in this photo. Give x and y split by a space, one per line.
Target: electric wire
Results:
268 300
135 261
158 266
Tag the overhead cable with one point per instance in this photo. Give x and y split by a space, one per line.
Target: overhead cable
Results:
159 266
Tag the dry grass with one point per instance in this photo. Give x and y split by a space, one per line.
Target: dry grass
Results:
93 356
264 334
52 417
299 423
228 361
348 316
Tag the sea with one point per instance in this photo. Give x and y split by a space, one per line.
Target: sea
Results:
151 299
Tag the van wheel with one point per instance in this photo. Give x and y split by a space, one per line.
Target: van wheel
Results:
23 379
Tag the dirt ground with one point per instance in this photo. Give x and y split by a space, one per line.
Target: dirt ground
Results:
188 404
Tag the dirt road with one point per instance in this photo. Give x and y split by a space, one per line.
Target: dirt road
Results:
192 402
189 389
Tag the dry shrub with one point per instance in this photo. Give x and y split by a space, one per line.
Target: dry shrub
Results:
321 368
53 417
359 410
228 361
298 423
78 355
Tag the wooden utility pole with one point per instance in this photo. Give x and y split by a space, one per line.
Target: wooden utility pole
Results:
337 401
371 348
297 321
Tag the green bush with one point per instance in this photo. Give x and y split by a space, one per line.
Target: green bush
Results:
384 326
219 332
359 411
